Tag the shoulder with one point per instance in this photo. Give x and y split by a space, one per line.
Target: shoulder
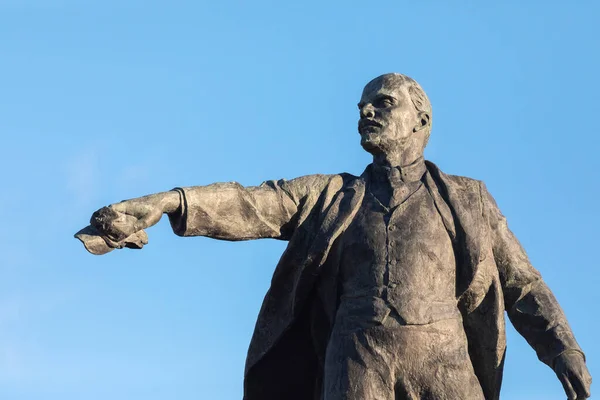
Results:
465 183
320 181
312 186
457 182
314 182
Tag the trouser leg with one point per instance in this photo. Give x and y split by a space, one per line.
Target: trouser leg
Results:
434 362
357 368
451 375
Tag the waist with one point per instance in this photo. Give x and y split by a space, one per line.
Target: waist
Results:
381 305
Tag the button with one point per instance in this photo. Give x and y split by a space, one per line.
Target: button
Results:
392 228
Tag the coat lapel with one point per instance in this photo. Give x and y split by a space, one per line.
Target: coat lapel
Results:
337 214
342 210
442 207
459 203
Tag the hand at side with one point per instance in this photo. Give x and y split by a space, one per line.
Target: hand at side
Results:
573 374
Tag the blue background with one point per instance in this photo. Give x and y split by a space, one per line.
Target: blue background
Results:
106 100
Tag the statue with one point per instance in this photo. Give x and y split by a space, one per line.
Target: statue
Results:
394 283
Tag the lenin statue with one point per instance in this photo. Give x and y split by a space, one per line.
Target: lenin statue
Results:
394 283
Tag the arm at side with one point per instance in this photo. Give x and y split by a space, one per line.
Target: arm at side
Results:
531 306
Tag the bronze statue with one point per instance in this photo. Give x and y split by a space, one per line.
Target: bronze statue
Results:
394 283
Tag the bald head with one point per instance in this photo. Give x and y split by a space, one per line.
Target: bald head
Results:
395 80
395 115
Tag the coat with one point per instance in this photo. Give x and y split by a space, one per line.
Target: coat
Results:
286 354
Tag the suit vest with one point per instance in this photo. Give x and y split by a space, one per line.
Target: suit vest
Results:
398 261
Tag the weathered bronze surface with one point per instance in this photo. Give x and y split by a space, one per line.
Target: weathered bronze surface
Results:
394 283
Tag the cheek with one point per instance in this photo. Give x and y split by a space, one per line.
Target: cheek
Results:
396 127
401 122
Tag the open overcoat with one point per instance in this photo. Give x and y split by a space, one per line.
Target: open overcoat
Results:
286 353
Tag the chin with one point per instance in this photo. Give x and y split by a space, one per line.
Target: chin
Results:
370 142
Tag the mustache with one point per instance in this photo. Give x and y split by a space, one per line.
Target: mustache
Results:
365 122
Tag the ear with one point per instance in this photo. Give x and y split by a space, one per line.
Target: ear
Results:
424 121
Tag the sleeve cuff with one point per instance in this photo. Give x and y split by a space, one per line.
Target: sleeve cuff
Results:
567 351
178 219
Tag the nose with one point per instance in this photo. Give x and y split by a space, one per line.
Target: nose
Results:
367 111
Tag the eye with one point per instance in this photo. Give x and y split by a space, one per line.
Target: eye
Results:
384 102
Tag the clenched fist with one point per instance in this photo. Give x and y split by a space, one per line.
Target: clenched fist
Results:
122 224
121 220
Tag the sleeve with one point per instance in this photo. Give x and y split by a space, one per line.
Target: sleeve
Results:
230 211
531 306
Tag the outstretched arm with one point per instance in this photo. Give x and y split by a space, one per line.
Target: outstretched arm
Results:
533 309
230 211
225 211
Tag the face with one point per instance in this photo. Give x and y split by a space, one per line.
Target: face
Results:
388 118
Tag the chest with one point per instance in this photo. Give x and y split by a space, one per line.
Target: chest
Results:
413 232
404 253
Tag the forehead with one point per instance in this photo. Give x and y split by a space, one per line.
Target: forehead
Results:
391 85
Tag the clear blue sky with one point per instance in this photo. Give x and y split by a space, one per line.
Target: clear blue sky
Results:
106 100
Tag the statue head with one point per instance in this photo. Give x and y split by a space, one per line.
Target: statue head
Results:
395 117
